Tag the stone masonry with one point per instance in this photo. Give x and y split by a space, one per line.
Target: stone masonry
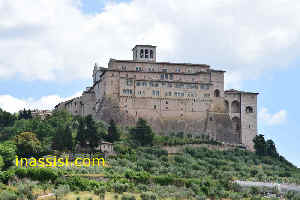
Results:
172 97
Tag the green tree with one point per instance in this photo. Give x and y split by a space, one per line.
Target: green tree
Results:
6 119
8 153
260 145
271 149
142 133
63 138
113 132
25 114
28 145
81 132
92 134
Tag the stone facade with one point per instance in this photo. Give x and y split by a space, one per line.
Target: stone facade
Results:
170 96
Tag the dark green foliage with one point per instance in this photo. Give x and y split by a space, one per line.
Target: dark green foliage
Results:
63 139
128 197
28 145
148 196
39 174
6 119
142 133
25 114
113 132
8 153
260 145
90 132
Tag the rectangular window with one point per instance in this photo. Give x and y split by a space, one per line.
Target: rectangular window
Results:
129 82
138 83
177 69
162 76
171 76
144 83
169 85
163 84
146 53
164 70
166 76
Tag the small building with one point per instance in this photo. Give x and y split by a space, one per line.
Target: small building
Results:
43 114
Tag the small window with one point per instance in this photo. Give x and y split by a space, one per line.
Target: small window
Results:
146 53
154 106
142 53
217 93
249 109
167 102
171 76
151 54
177 69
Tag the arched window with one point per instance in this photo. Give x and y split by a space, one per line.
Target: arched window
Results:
151 53
236 124
146 53
249 109
217 93
235 107
226 106
142 53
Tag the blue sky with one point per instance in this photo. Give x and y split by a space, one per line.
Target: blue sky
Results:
48 50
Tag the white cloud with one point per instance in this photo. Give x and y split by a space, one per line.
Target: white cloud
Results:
13 104
272 119
54 40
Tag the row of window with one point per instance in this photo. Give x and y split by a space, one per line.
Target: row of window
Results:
163 84
151 69
145 53
168 93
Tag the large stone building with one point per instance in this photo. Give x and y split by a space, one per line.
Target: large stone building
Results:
170 96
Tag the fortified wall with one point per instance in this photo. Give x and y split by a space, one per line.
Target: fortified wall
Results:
172 97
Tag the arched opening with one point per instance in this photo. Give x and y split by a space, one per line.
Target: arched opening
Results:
226 106
249 109
236 124
142 53
146 53
217 93
235 107
151 53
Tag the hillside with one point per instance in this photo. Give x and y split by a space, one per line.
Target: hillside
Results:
140 168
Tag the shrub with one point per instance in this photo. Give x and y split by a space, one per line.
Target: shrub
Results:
148 196
120 187
61 191
6 195
128 197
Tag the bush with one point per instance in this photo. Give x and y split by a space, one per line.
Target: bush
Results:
120 187
6 195
148 196
128 197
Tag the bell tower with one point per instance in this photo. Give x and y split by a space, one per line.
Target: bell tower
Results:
144 53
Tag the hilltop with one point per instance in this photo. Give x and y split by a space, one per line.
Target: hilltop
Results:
140 167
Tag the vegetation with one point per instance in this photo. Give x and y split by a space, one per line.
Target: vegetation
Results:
141 168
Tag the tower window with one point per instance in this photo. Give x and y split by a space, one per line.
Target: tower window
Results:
142 53
151 54
249 109
146 53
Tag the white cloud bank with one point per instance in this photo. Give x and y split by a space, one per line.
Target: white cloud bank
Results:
13 104
272 119
54 40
